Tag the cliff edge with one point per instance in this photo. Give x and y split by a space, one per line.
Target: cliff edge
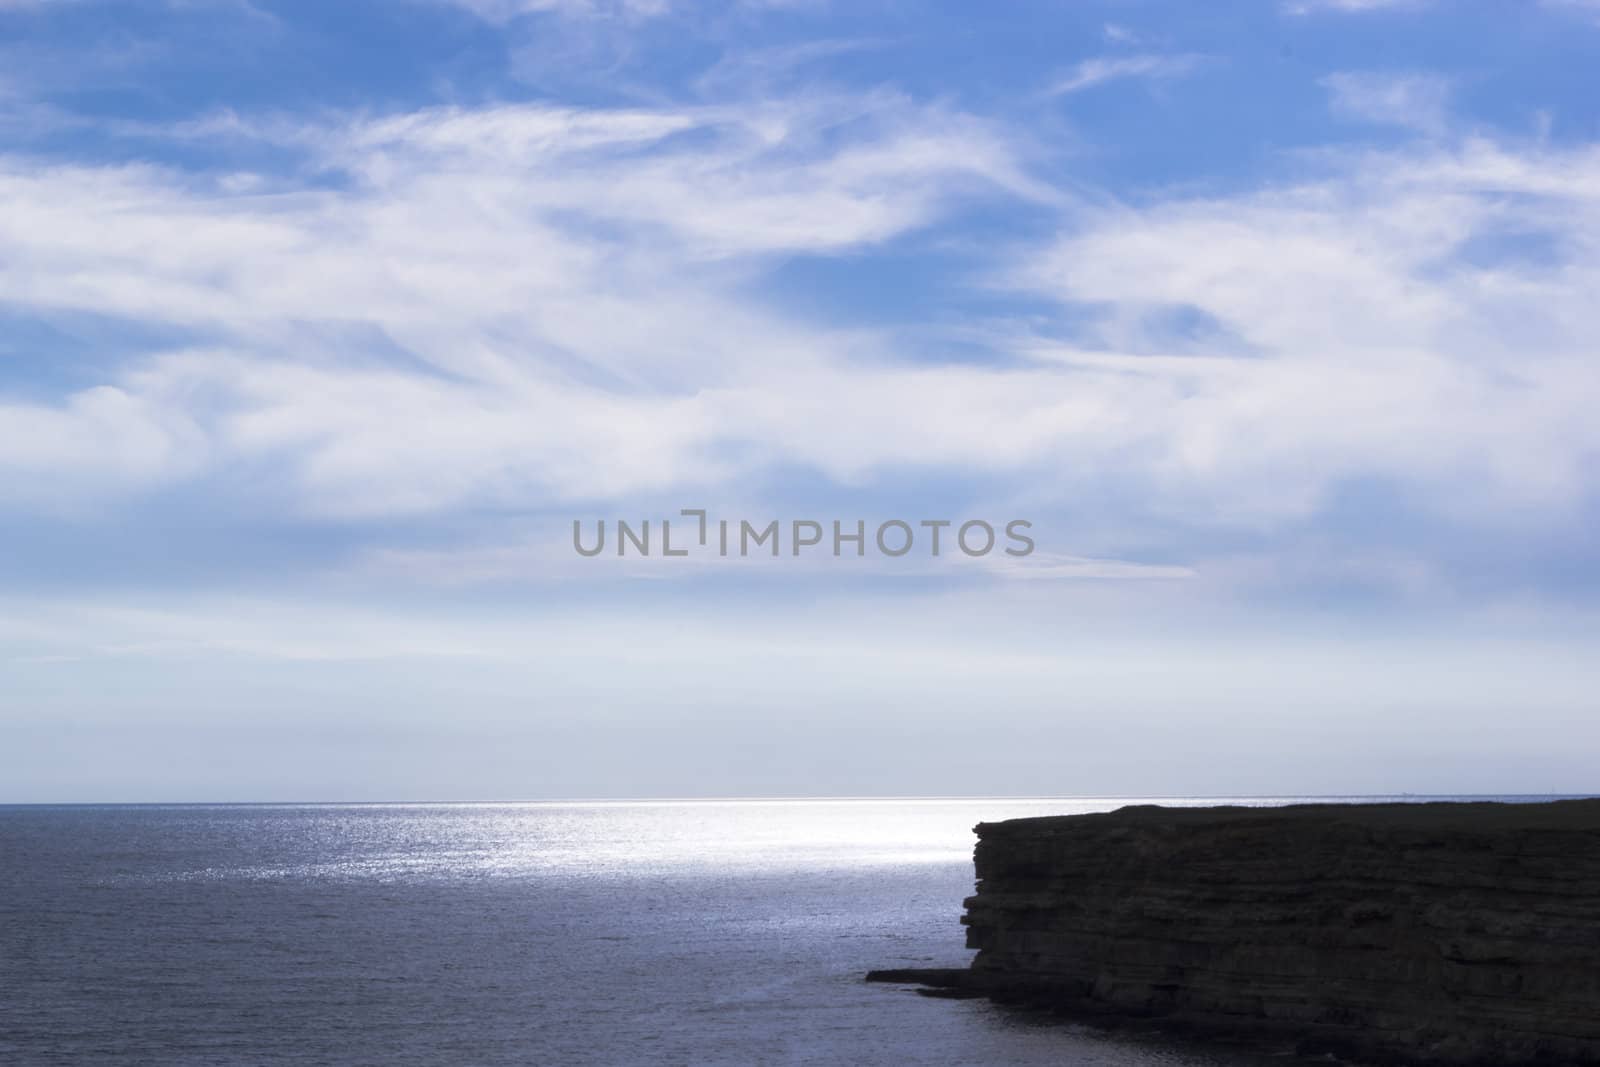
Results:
1405 933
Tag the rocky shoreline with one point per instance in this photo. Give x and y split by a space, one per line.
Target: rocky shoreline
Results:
1392 933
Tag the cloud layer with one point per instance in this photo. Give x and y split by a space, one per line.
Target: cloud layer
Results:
527 306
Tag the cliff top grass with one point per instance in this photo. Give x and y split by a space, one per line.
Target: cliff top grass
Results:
1444 815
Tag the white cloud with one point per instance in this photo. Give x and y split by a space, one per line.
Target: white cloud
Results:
1379 351
100 440
524 307
1417 101
1307 7
543 556
1098 71
502 11
570 280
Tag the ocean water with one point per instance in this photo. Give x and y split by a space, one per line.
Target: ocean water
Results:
692 932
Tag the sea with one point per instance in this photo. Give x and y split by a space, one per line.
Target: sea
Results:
543 933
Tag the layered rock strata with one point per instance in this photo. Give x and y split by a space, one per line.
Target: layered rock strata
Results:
1408 933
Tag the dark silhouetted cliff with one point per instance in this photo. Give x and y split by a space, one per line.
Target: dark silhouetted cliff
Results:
1416 933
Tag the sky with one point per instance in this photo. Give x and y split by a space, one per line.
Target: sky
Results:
322 324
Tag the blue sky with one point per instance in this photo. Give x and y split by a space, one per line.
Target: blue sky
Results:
319 325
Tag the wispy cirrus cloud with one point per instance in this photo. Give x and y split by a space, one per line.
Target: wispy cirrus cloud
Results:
517 307
1102 69
502 11
1308 7
1417 101
1412 387
565 281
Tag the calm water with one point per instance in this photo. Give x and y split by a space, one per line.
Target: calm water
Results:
597 933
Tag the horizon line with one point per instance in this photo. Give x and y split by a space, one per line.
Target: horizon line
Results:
776 799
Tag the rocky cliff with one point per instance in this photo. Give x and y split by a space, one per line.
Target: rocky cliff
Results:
1411 933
